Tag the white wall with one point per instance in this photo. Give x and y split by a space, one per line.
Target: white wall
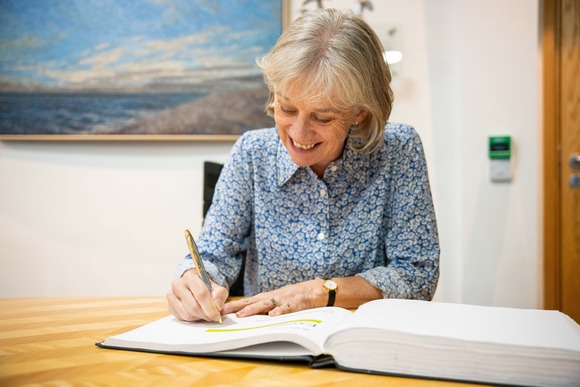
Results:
108 218
498 89
97 218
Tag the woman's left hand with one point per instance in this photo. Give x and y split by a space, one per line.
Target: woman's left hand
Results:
290 298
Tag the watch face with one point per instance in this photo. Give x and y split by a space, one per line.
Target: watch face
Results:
330 285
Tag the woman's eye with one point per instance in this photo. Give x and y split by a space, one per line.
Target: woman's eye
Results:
286 110
322 120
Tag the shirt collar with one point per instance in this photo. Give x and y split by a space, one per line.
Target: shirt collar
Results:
352 162
286 167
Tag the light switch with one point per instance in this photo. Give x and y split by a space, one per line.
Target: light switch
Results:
500 155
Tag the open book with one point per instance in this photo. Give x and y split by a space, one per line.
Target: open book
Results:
399 337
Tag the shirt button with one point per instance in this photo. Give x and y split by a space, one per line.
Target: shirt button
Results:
320 236
333 168
322 193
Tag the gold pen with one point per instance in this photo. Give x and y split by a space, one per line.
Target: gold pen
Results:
199 266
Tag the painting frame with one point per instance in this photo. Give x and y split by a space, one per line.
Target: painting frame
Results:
285 17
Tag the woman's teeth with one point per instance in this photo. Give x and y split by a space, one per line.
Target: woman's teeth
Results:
302 146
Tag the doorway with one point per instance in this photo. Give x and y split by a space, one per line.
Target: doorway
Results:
561 130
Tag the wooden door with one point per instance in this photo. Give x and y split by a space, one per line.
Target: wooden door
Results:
561 65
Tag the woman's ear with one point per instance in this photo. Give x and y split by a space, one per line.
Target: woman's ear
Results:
361 116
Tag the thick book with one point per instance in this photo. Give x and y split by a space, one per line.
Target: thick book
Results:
397 337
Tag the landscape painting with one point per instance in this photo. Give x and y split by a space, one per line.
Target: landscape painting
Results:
143 69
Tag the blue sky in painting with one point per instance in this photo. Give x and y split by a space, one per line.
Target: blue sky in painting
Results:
79 44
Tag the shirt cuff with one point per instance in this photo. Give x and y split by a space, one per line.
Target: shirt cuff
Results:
210 268
388 282
184 266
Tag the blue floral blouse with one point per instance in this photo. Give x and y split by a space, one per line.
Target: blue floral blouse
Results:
370 215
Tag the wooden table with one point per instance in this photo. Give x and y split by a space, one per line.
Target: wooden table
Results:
52 341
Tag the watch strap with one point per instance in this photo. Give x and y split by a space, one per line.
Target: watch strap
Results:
331 293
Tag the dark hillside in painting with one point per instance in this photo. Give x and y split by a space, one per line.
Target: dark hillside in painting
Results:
222 112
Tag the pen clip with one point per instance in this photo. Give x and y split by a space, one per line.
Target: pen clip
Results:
193 250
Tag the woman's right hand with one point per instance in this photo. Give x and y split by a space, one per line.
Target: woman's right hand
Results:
189 298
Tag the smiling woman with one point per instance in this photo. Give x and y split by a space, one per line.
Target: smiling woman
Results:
117 67
331 206
313 134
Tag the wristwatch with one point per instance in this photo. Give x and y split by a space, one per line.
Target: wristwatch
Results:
330 287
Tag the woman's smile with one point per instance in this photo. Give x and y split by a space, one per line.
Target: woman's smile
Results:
303 146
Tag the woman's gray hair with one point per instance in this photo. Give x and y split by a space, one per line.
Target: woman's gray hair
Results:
335 57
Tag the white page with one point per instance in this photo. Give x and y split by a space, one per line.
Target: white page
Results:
462 342
307 328
491 325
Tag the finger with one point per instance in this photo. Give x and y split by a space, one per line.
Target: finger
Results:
263 306
177 309
220 295
281 309
205 299
236 305
187 290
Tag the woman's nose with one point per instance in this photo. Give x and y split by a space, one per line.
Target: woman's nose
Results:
299 127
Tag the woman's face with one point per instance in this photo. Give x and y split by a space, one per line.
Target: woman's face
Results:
313 133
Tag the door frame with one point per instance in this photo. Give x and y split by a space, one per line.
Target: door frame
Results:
551 27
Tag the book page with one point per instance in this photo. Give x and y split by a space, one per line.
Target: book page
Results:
306 328
460 342
471 323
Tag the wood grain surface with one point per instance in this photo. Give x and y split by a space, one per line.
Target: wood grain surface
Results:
51 341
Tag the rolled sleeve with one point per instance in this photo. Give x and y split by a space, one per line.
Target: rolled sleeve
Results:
411 241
